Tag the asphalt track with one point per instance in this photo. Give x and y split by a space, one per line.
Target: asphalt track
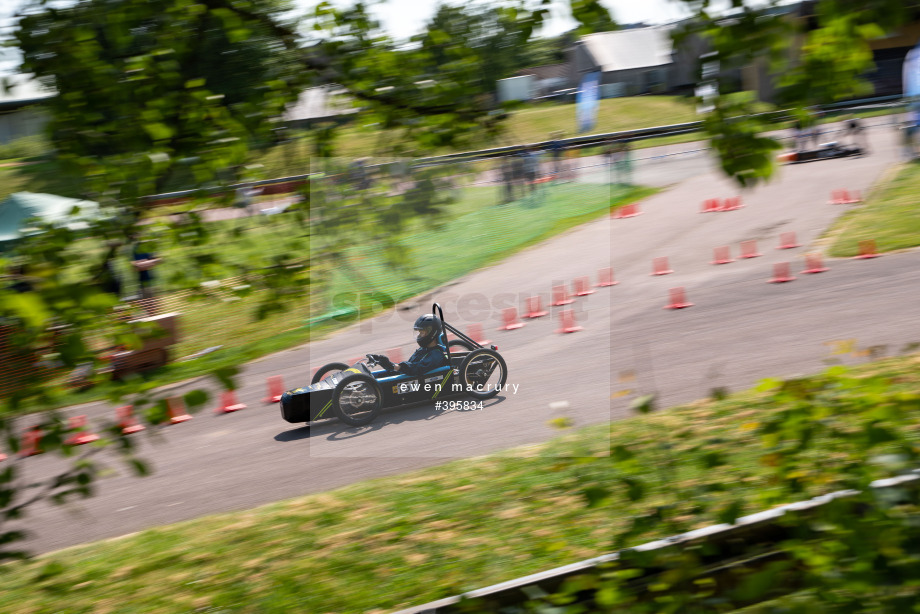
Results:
739 330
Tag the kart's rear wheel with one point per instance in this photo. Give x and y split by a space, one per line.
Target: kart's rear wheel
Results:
327 369
483 373
357 399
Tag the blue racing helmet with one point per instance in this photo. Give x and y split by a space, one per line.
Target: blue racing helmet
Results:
427 328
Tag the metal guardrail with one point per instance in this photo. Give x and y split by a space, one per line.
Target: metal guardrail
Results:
751 542
591 140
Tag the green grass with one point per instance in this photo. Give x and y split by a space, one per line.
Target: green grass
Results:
890 216
491 232
397 541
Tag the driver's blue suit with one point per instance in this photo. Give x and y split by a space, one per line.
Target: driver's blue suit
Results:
424 360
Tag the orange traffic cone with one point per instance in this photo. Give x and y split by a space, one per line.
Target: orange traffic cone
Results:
510 320
567 319
561 296
276 387
660 266
78 424
31 442
813 264
867 249
177 411
749 249
710 205
678 299
605 278
631 210
787 241
781 273
127 421
583 287
535 308
722 255
474 332
228 403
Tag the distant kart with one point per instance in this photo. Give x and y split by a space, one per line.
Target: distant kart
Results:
356 394
825 151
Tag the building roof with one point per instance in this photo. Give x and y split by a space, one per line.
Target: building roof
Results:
629 49
20 206
19 90
318 102
547 71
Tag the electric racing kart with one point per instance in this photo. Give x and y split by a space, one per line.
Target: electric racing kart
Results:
825 151
356 394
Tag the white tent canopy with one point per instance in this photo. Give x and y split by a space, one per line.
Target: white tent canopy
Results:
16 208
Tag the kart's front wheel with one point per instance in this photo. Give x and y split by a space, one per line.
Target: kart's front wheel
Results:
327 369
483 373
357 399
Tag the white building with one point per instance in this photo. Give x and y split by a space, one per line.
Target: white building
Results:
20 108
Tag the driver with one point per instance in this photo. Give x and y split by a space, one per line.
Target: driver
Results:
428 357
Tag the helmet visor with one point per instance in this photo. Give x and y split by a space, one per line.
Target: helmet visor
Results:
422 331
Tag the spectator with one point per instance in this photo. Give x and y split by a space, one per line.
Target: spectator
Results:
555 149
106 277
814 134
507 178
143 260
854 130
245 197
531 167
19 280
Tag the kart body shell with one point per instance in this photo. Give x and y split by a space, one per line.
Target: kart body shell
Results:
825 151
474 370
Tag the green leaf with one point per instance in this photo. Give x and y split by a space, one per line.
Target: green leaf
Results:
595 495
712 458
643 404
158 131
635 489
878 434
226 376
28 306
561 423
730 513
140 467
767 384
195 399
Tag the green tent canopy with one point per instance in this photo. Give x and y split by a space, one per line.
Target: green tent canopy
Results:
16 208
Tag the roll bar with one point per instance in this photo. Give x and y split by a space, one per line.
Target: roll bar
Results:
445 327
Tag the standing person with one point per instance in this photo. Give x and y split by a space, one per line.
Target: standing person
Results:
106 277
245 196
624 164
507 173
815 133
517 173
531 168
610 152
800 133
555 148
855 131
143 260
